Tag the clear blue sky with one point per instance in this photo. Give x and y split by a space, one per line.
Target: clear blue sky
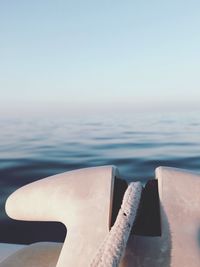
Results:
108 52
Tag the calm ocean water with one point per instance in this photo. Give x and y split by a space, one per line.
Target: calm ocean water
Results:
34 148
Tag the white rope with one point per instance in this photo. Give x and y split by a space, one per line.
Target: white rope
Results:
112 249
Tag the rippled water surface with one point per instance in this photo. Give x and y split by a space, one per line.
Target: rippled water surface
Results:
137 143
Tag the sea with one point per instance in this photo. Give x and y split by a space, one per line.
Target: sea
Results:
32 148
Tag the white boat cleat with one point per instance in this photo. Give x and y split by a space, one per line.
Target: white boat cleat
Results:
83 201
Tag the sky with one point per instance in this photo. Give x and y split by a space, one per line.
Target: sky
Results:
99 54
